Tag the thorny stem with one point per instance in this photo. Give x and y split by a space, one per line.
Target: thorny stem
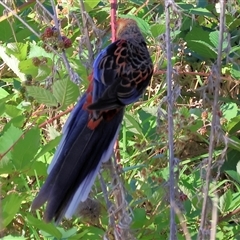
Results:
170 126
214 122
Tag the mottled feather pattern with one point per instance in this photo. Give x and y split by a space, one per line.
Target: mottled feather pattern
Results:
121 73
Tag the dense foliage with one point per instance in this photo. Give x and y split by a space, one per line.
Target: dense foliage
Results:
38 73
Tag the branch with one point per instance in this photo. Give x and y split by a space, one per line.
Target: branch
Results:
170 97
18 9
214 123
56 117
72 75
86 33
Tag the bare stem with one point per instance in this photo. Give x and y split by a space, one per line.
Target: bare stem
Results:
173 229
214 123
86 33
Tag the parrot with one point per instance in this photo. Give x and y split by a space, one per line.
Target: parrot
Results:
120 74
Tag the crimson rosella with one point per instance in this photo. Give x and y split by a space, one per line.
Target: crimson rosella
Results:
121 73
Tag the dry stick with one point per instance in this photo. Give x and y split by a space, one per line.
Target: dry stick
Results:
74 78
229 215
56 117
15 15
86 34
173 229
18 9
44 9
121 212
183 223
214 218
203 74
214 121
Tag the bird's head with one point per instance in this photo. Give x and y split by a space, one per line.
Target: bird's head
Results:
127 28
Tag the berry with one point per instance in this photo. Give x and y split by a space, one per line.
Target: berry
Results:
60 44
183 197
36 61
48 32
67 42
204 115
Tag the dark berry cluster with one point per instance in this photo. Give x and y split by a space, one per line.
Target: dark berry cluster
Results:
52 39
37 61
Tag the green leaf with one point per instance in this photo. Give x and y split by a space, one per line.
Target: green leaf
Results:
12 62
229 110
202 48
234 175
17 121
238 167
139 218
233 125
10 206
10 237
90 4
10 136
42 95
46 227
3 93
66 234
197 33
25 149
214 38
48 147
36 51
225 201
87 233
17 85
38 72
235 71
201 11
19 50
12 111
134 123
66 92
158 29
235 201
28 68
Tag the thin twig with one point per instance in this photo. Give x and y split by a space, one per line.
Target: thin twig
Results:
56 117
18 9
173 228
73 76
214 122
20 19
182 223
86 33
214 217
44 9
202 74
